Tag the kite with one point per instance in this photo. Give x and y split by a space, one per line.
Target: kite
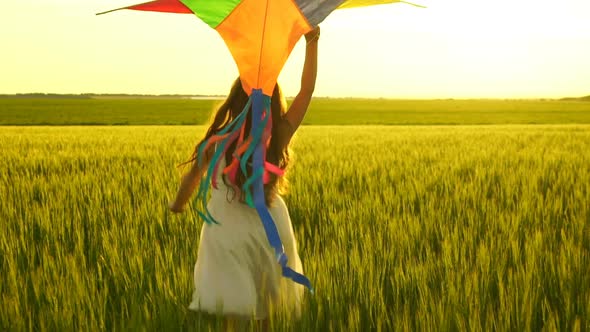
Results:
260 35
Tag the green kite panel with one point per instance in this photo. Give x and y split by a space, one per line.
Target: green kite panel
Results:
212 12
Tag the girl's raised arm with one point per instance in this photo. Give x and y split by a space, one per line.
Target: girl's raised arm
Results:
296 112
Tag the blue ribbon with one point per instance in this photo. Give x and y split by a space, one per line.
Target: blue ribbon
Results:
258 102
256 132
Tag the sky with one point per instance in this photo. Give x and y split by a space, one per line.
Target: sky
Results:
451 49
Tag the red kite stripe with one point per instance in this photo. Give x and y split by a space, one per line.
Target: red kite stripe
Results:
165 6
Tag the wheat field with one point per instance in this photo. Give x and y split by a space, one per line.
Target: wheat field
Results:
446 228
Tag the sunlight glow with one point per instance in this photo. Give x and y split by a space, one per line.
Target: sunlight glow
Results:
452 49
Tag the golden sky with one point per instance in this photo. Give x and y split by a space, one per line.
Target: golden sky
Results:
452 49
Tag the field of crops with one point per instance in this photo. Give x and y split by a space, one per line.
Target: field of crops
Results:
400 227
323 111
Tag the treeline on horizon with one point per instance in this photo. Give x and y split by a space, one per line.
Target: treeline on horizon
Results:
97 95
168 96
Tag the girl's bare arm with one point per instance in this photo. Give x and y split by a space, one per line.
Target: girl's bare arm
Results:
189 183
296 112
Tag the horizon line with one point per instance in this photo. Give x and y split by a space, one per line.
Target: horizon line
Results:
221 96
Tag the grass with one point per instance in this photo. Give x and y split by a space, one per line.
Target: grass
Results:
400 227
169 111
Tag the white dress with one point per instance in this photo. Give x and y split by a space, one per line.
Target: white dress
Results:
236 271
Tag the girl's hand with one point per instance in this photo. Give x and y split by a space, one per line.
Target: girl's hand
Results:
313 35
174 208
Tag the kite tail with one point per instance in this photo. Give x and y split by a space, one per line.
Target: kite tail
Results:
251 151
223 138
261 108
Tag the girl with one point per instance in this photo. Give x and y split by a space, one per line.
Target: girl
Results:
236 273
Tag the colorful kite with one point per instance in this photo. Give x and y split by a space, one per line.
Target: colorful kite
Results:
260 35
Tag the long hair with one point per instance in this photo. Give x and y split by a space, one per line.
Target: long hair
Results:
277 150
